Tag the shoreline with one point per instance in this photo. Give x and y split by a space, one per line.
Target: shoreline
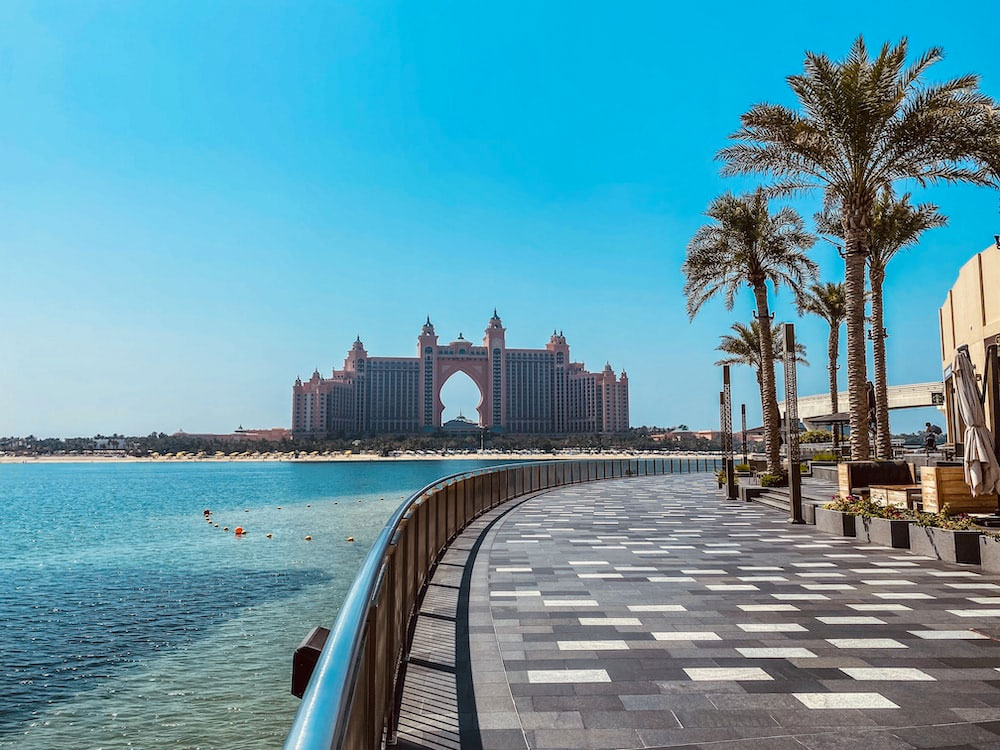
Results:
360 457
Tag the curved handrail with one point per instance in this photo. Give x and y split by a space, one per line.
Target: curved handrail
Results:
323 719
330 688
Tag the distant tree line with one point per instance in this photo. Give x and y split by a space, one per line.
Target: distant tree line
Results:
638 438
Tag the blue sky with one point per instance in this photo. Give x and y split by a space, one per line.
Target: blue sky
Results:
199 201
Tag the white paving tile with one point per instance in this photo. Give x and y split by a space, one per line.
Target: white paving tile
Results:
657 608
880 607
610 621
771 627
768 607
877 643
538 676
686 635
851 620
872 674
844 700
592 645
776 653
731 587
902 595
569 602
725 674
948 635
975 612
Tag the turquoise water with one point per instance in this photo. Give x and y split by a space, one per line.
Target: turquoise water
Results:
127 620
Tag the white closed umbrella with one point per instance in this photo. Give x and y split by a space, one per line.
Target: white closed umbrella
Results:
982 472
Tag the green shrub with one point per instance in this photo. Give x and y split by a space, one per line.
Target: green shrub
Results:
816 436
944 520
865 507
742 467
824 456
773 480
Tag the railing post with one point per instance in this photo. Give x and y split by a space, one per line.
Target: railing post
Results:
370 668
391 650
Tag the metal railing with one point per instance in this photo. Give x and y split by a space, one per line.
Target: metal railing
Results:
350 701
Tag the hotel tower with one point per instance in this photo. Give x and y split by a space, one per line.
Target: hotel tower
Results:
524 391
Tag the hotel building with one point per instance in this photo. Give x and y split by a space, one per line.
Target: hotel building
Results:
523 391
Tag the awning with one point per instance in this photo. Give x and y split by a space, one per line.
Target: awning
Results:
840 417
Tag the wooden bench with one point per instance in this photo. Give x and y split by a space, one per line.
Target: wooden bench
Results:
896 495
855 477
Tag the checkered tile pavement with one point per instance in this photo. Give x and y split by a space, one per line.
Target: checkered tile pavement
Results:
649 612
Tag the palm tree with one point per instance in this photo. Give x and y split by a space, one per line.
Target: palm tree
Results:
895 224
828 302
862 125
745 244
744 348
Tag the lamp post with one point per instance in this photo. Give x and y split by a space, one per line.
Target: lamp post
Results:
743 419
792 424
726 420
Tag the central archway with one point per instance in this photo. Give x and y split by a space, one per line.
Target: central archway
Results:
474 371
461 396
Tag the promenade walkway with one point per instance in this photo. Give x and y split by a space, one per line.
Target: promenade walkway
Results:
649 612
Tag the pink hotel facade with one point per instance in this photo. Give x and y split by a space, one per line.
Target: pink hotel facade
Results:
537 391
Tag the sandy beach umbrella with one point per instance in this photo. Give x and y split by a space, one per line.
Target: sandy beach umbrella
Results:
982 473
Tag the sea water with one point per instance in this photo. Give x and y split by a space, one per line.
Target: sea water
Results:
128 620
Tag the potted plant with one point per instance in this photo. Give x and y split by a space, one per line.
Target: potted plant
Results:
885 525
774 480
837 517
946 537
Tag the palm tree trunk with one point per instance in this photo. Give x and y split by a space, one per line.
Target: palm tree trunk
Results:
763 409
855 233
833 351
883 437
772 427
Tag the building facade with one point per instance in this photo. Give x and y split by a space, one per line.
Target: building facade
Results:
970 317
523 391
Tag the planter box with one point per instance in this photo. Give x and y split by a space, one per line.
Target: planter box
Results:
940 485
950 546
887 532
861 527
989 554
835 522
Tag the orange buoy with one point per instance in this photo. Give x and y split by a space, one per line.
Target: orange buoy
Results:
206 512
239 530
309 538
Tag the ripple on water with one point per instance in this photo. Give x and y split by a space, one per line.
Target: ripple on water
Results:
130 622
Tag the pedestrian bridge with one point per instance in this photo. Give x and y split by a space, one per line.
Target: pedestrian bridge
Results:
912 396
